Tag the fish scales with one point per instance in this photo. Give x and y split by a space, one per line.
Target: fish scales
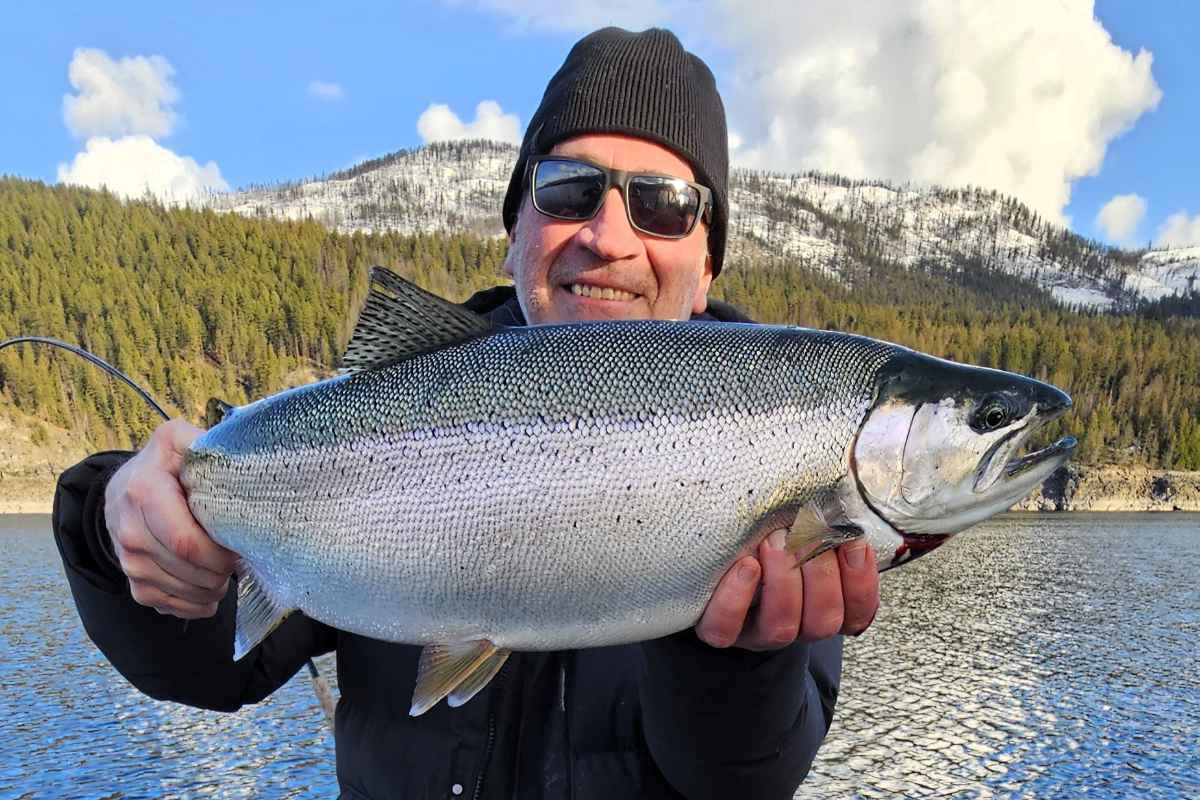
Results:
542 487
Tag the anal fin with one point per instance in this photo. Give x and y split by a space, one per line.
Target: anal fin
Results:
257 613
459 670
483 674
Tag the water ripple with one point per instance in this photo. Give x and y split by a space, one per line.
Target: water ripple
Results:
1042 656
1037 656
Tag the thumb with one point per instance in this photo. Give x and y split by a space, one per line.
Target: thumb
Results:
172 440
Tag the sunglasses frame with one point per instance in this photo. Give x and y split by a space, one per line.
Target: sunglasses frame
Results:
619 178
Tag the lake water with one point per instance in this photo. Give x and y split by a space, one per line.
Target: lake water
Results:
1036 656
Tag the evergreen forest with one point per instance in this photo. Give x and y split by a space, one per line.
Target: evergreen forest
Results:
195 304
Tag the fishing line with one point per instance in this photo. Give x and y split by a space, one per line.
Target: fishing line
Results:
320 685
95 359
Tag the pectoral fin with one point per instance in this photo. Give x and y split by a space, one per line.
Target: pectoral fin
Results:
820 526
257 613
459 670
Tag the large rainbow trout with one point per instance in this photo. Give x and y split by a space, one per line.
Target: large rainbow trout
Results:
481 490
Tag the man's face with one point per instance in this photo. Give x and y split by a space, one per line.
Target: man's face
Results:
562 268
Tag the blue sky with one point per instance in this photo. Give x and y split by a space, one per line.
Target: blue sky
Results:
1029 102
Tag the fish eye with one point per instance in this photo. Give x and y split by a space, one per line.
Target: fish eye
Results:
994 413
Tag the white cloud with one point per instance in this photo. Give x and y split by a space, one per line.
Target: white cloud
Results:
134 165
323 90
121 107
438 124
131 95
1179 230
1120 216
1022 96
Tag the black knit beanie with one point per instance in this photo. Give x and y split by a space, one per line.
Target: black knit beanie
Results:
640 84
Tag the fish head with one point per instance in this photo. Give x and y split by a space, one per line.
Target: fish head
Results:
940 448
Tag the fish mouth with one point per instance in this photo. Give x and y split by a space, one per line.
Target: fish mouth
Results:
1059 451
1020 473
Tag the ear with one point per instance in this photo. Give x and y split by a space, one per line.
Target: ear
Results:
512 241
700 299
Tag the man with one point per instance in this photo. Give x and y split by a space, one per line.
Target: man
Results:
617 209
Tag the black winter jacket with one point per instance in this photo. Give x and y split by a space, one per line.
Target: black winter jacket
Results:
662 719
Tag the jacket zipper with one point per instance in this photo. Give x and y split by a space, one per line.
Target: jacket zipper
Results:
491 740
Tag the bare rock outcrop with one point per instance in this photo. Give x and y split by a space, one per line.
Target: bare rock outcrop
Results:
1116 488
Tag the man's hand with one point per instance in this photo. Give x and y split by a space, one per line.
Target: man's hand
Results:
172 564
836 592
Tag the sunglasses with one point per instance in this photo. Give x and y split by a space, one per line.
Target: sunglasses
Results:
564 188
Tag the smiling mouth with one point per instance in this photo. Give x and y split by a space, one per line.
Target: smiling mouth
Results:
598 293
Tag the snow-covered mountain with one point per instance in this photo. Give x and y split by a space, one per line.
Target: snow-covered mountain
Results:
826 222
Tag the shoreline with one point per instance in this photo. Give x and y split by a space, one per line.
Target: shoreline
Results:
1107 488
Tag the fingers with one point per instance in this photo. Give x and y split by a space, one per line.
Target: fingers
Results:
823 606
164 603
172 564
183 548
726 612
776 622
860 586
171 440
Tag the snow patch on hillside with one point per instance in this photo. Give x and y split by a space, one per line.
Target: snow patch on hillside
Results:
460 186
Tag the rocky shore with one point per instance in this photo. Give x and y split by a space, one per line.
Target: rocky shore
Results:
31 459
1116 488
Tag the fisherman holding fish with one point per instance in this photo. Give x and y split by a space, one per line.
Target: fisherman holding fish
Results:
617 209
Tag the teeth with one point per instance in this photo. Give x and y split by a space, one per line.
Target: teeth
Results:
601 294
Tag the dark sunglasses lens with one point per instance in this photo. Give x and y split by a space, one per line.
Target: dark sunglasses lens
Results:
663 206
567 189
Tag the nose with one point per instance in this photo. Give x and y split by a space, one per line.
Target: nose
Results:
609 234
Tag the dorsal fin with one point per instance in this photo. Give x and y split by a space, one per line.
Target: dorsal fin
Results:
400 319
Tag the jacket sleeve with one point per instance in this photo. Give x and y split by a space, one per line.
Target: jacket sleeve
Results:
165 657
736 723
